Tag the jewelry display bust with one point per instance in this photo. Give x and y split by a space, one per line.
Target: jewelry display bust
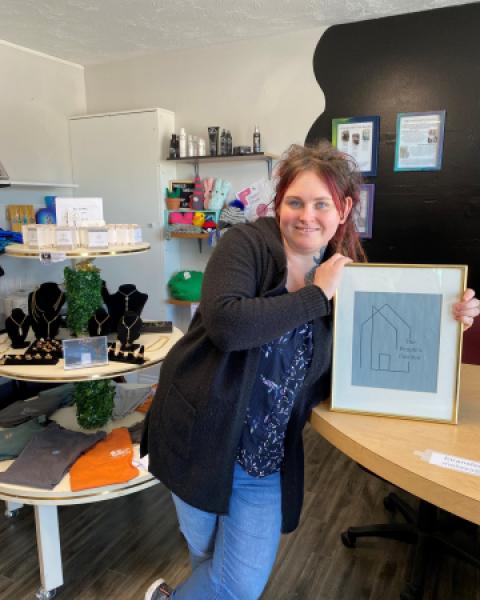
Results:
44 306
129 330
100 323
126 298
17 326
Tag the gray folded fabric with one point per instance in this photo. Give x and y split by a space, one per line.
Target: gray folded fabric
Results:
48 456
24 410
14 439
127 397
64 393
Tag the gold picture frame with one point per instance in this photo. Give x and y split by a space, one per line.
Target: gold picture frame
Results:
396 344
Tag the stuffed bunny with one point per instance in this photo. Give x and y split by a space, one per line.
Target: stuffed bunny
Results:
207 191
220 193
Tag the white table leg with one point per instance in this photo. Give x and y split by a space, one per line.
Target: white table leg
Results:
48 545
11 508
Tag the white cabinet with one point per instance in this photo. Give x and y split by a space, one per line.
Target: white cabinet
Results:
118 157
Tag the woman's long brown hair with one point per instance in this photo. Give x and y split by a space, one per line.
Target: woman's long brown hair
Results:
339 172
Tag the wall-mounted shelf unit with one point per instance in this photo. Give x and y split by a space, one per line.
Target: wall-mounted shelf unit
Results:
45 184
189 235
197 160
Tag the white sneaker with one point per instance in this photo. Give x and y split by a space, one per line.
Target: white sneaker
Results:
159 590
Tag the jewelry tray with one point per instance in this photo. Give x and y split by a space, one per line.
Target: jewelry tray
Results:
129 358
19 359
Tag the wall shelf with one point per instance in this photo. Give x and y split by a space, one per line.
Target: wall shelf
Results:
181 302
196 160
45 184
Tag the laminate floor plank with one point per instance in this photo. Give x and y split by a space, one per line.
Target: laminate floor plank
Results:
113 550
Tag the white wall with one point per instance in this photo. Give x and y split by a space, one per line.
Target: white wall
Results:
269 82
38 93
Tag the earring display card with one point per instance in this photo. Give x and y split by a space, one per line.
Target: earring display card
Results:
82 353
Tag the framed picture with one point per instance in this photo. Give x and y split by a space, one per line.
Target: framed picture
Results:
186 190
81 353
358 137
419 142
363 213
397 347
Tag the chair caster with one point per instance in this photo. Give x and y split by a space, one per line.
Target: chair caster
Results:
348 540
42 594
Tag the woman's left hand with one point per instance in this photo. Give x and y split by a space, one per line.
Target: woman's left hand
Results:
467 309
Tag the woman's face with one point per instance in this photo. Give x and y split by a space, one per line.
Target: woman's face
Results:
308 217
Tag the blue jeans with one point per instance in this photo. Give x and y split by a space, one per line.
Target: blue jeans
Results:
232 555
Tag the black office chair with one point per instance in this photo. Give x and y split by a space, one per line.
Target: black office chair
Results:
424 529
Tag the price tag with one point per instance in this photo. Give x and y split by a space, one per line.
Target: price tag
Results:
47 258
98 239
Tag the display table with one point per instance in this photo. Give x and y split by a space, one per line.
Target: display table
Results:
156 347
45 502
23 251
387 447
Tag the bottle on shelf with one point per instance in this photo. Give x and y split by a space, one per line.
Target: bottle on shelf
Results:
182 143
223 143
195 145
190 145
256 140
172 151
201 147
229 145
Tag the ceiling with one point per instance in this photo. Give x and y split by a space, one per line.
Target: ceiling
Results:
95 31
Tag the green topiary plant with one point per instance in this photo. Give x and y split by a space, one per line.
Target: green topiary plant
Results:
83 289
94 400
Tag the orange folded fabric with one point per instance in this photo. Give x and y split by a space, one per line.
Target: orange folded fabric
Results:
145 406
108 462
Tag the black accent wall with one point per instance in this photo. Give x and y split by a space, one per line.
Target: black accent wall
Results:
413 63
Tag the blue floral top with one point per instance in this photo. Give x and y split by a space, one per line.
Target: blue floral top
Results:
281 372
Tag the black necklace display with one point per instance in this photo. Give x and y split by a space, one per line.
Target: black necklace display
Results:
17 326
44 306
126 298
129 330
100 323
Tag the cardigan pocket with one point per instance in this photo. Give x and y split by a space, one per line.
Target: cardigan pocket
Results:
178 418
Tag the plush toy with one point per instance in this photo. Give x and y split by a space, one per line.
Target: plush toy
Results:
209 225
198 219
220 193
207 191
180 218
197 198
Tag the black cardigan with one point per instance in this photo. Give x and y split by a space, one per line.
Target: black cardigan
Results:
194 425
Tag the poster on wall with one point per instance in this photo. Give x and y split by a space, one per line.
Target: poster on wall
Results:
358 137
363 212
397 346
419 143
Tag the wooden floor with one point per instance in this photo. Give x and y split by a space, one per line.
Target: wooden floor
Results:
113 550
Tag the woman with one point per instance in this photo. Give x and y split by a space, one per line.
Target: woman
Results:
225 428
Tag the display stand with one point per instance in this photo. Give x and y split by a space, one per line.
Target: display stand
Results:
45 502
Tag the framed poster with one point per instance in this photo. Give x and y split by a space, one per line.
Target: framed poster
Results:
358 137
363 213
397 347
419 142
185 187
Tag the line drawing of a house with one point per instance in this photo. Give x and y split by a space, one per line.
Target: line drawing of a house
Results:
381 336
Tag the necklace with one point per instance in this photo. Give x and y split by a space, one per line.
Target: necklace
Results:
38 312
19 325
126 296
100 323
48 323
128 328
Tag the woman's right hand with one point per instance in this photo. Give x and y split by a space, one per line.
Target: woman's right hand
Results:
329 273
